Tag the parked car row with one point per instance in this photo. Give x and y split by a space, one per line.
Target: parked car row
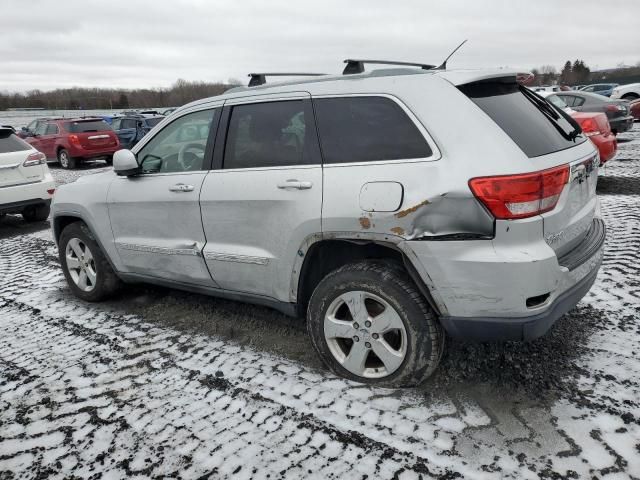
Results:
73 140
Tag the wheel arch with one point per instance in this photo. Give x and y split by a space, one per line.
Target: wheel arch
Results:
62 220
323 255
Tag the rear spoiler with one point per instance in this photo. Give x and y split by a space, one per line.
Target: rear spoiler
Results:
462 77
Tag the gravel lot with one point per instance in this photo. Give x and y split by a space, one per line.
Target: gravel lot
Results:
160 383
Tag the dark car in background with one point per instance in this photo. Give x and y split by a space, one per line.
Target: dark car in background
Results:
73 140
604 89
617 111
131 128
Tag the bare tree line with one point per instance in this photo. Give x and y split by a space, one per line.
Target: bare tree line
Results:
180 93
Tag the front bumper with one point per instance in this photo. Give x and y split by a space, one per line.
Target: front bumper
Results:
483 288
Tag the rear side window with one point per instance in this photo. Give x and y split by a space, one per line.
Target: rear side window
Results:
87 126
52 129
270 134
367 129
11 143
537 128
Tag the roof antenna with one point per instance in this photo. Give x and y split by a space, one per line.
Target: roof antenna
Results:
443 66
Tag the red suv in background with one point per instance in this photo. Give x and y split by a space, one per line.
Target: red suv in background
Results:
73 140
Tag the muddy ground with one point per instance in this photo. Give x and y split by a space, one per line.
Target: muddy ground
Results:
162 383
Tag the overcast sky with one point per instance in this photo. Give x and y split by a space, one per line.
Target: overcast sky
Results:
47 44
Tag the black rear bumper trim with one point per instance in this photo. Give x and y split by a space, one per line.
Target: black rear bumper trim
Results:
591 244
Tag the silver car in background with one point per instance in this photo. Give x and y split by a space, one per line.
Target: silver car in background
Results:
353 201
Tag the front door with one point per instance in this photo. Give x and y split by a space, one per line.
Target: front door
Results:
265 196
155 216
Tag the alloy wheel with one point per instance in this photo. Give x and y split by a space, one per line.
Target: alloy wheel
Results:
81 265
365 334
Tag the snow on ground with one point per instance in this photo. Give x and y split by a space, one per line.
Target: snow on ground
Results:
163 383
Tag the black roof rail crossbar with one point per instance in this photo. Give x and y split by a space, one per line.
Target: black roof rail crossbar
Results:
357 65
259 78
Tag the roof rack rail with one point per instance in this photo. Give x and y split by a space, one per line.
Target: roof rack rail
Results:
259 78
357 65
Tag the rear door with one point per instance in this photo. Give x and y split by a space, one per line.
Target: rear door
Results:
155 216
264 198
126 132
48 140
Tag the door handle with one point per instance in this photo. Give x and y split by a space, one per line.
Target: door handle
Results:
295 184
181 187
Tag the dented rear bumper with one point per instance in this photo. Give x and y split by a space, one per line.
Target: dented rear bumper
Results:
513 290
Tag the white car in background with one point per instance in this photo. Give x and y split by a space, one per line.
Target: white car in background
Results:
26 185
629 92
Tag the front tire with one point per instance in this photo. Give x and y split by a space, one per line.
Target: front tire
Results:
85 266
36 213
66 161
369 323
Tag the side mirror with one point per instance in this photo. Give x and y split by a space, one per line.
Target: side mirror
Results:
125 163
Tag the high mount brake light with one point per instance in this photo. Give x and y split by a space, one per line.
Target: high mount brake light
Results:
509 197
35 158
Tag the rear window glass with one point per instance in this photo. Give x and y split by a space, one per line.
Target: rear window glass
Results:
367 129
536 129
87 126
11 143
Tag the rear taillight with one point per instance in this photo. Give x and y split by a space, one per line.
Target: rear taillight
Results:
589 127
615 108
74 140
51 191
35 158
509 197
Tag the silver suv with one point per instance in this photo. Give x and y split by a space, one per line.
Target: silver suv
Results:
388 207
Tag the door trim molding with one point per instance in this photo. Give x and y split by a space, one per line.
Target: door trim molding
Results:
160 250
230 257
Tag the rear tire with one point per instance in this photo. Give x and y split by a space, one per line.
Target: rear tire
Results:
369 323
86 268
109 160
36 213
66 161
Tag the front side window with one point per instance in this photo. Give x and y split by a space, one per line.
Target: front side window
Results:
179 146
271 134
367 129
41 129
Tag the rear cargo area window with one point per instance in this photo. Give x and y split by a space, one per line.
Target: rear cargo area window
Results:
536 129
11 143
367 129
88 126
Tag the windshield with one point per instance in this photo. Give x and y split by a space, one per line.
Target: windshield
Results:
532 123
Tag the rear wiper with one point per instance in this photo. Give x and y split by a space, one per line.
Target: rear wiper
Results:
552 114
